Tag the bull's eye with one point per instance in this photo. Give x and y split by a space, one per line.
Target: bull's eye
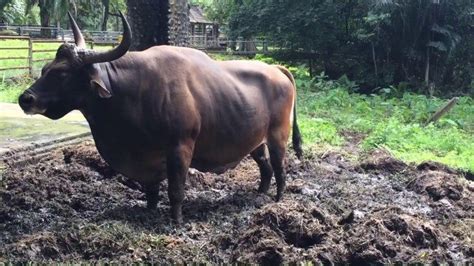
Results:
59 73
63 74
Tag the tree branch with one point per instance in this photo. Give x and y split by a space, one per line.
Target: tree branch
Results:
443 111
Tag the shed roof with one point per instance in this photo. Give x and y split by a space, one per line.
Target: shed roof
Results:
196 15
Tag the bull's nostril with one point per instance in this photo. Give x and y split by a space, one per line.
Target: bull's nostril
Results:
26 99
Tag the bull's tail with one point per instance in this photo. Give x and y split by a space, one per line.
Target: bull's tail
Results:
296 135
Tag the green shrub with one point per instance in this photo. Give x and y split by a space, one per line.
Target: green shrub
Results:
328 108
8 33
10 89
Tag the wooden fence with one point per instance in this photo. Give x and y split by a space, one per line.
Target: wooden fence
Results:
237 47
33 52
61 34
34 55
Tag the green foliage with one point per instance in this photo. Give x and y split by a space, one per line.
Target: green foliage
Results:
412 142
15 12
224 57
3 5
90 14
328 108
319 131
115 6
10 90
8 33
375 43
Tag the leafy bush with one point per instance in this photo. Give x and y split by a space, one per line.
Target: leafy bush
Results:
10 89
412 142
328 108
8 33
426 44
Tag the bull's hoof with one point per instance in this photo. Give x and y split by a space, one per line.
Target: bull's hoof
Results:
152 198
177 220
278 197
262 190
176 215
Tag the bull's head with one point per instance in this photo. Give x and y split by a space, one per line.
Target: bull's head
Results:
72 77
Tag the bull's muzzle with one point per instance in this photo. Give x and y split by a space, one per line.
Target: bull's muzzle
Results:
28 102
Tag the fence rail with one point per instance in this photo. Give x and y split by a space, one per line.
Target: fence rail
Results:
32 51
57 33
236 47
202 41
37 54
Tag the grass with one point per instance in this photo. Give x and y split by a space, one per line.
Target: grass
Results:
9 92
13 82
24 53
327 109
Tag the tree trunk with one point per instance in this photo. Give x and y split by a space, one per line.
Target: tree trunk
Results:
427 69
446 108
149 23
374 59
45 20
105 20
179 23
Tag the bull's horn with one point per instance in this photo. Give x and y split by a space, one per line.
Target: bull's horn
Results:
91 57
77 32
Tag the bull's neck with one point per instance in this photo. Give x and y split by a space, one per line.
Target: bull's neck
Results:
106 73
133 90
96 108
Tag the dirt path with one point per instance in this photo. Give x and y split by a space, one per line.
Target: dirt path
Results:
18 130
71 206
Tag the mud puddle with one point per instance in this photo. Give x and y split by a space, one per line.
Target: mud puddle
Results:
70 206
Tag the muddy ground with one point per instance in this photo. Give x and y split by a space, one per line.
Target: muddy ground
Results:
340 206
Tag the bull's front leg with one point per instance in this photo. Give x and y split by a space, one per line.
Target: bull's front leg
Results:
152 195
178 160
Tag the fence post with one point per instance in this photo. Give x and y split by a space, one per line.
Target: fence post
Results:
265 46
30 57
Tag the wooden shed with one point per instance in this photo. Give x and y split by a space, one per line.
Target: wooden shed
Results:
203 32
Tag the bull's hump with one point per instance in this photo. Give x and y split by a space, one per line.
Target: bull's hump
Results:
175 52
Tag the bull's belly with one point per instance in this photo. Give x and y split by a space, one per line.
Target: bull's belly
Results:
147 165
149 169
220 157
150 166
144 166
217 168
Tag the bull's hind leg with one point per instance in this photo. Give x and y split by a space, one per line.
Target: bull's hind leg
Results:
178 160
266 171
277 148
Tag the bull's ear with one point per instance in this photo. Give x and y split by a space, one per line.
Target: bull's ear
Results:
98 85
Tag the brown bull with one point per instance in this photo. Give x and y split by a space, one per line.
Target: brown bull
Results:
153 114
